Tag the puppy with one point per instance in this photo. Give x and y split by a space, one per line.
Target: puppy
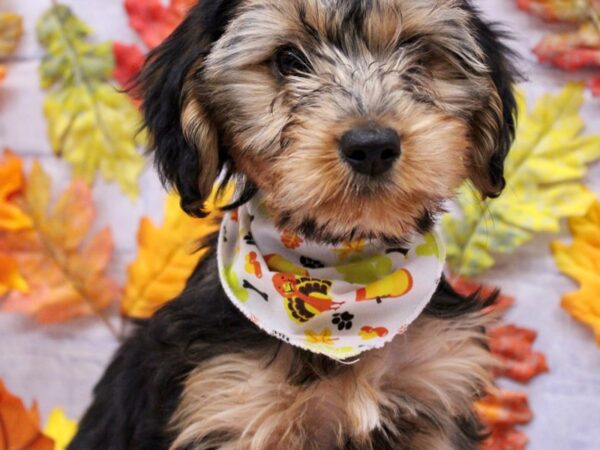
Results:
350 120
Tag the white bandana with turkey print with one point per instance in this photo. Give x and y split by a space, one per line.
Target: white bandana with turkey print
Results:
339 301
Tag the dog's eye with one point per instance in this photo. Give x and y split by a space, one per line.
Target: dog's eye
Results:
290 60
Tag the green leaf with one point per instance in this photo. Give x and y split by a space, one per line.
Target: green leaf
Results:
544 170
90 123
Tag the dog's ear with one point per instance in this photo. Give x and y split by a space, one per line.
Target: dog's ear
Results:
493 127
184 139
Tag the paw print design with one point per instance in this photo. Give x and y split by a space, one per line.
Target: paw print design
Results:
311 263
249 238
343 320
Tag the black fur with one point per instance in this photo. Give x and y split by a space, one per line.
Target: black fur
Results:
142 386
161 86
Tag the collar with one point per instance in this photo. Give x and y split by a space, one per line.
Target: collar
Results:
339 301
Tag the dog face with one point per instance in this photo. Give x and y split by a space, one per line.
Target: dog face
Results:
354 119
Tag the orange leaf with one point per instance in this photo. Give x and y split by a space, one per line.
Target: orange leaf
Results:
500 411
153 21
166 258
19 427
513 347
12 184
65 270
581 261
10 278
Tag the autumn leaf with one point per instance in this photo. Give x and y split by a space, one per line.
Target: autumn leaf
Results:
166 258
153 21
500 412
574 49
60 429
513 347
544 170
11 29
64 268
129 60
90 123
20 427
559 10
581 261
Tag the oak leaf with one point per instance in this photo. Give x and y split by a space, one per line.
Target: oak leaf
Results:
581 261
90 123
154 21
60 429
64 269
166 258
544 170
20 427
11 29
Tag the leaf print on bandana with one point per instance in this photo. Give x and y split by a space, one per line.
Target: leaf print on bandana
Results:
369 333
350 247
397 284
277 263
291 240
324 337
367 271
306 297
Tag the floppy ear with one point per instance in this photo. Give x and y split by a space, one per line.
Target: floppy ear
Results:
184 138
493 127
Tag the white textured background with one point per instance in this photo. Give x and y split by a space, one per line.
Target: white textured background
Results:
58 365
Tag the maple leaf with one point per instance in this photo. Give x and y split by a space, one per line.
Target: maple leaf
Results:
20 427
11 29
65 275
129 60
501 411
90 123
512 346
60 429
153 21
166 258
581 261
543 173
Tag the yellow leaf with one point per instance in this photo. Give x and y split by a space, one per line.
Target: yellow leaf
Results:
90 123
166 258
64 269
11 28
60 429
581 261
544 170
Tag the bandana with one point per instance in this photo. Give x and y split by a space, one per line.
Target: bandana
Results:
339 301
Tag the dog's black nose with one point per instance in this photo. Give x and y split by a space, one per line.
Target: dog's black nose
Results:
370 150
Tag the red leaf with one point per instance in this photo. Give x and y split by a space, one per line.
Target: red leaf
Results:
129 59
513 347
153 21
504 408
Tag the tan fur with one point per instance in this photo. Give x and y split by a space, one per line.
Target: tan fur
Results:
285 139
245 401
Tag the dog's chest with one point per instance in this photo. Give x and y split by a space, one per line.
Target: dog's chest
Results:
238 401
